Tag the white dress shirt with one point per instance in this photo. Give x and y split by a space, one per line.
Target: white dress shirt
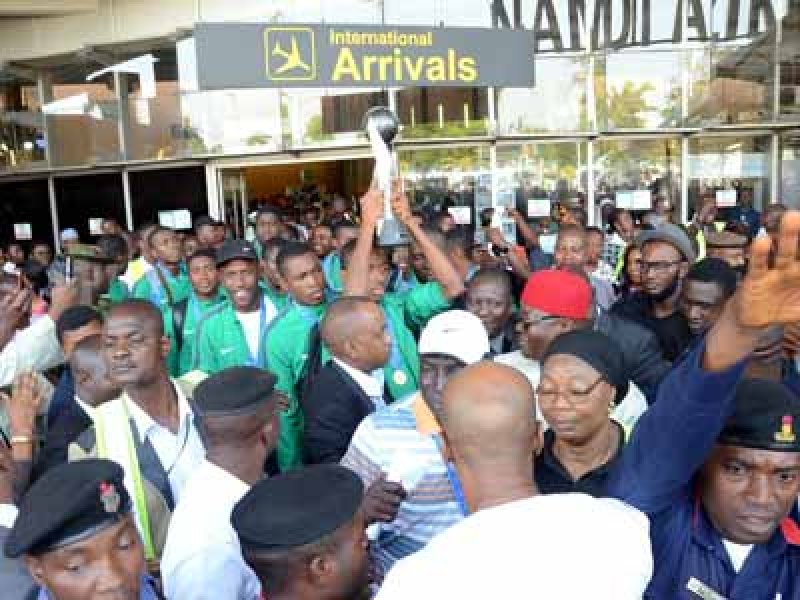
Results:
180 454
565 546
626 412
371 383
34 348
202 558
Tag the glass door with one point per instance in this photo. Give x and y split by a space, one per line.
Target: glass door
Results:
233 195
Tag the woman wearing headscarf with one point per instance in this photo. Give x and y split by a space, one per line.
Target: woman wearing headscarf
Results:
583 379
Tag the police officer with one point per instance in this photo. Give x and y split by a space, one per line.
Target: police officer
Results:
77 535
723 500
303 534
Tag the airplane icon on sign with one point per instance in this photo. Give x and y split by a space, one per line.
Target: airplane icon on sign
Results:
293 59
290 53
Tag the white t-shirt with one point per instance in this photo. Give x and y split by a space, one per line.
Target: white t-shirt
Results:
738 553
565 546
251 324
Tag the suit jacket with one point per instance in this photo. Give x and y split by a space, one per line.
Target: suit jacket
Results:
70 422
15 581
641 351
333 408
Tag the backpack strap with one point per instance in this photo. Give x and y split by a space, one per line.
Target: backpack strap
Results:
178 321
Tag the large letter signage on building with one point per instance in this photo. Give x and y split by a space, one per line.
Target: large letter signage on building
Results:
248 55
573 25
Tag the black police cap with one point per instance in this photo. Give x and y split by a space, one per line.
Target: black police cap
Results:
301 507
766 417
234 391
71 502
236 250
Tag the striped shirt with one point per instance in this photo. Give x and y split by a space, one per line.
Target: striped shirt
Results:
397 440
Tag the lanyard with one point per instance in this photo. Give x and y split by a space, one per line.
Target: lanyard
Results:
455 482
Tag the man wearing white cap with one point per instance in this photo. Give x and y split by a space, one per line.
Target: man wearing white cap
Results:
412 494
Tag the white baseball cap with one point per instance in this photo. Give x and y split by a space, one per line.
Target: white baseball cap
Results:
456 333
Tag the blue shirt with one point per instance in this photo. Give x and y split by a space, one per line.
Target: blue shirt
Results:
147 592
656 474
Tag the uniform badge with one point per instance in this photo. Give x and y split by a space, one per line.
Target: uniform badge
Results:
703 591
400 378
786 434
109 498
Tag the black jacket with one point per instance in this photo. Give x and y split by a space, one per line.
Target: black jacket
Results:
66 428
672 332
333 408
641 351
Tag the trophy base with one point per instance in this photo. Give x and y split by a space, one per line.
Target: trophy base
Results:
393 233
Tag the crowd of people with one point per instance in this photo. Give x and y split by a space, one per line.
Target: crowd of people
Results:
305 414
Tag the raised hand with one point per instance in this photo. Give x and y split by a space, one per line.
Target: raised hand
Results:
770 295
401 208
23 406
371 207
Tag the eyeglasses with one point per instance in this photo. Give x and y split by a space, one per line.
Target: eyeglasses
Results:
658 266
526 324
574 396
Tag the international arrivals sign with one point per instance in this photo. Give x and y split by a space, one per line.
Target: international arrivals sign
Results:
252 55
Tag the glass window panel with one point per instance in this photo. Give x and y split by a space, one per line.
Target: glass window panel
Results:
626 165
22 140
556 104
26 202
454 176
83 118
556 171
230 122
85 197
638 90
790 169
730 162
443 112
789 49
329 116
729 84
153 191
155 125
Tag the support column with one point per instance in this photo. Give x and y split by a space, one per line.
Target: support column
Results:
775 169
213 193
126 196
590 191
51 192
684 212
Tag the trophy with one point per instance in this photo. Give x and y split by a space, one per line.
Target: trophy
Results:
382 125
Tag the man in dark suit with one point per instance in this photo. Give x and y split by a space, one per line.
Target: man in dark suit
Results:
93 387
351 385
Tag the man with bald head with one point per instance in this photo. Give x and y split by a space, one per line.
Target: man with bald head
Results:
149 429
351 385
515 540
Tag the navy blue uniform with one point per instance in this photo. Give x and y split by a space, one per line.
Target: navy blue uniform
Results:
656 475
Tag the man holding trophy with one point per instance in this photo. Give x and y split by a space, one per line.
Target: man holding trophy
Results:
385 211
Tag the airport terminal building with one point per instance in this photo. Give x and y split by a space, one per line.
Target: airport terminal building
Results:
135 108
